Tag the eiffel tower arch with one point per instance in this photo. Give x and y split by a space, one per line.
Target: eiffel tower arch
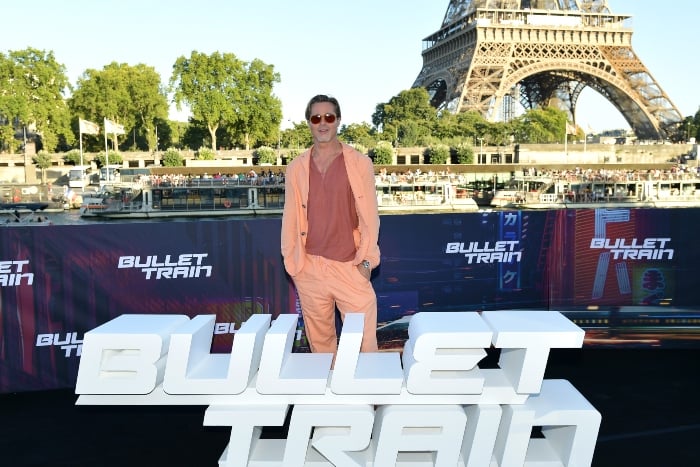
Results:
489 55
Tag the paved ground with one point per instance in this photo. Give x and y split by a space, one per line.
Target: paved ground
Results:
649 400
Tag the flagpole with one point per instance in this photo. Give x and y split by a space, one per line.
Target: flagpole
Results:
106 150
80 130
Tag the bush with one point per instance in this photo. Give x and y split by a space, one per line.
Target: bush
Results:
360 148
206 154
382 153
438 154
114 158
292 154
73 157
265 155
465 154
173 158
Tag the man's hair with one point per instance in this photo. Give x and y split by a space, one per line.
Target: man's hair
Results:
322 98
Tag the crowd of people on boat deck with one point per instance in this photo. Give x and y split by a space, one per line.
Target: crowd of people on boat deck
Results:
678 172
418 176
249 178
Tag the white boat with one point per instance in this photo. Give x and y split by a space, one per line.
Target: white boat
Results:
680 190
200 197
218 197
424 192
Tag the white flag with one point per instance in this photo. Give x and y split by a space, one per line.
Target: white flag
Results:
88 128
113 128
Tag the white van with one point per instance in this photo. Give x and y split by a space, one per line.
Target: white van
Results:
79 176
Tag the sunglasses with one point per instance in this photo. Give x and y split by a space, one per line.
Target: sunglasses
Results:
316 119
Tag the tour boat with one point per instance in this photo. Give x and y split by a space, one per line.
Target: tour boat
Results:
219 197
680 190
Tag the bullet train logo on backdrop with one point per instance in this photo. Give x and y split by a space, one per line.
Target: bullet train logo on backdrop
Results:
487 252
14 273
159 267
643 249
68 342
72 346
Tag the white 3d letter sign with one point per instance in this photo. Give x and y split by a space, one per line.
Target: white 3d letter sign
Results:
429 405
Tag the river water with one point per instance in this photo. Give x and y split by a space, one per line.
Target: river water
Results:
72 217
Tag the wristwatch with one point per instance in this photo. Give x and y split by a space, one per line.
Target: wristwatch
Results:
365 264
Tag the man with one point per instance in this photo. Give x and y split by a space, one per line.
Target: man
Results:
330 229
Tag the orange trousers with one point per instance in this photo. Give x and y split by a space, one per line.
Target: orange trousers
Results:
324 284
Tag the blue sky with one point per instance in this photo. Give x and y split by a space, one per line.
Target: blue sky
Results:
361 51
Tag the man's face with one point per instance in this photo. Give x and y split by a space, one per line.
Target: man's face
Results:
324 132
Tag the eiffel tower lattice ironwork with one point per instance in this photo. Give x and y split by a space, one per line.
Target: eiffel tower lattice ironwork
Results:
490 54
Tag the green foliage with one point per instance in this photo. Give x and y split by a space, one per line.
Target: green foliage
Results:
382 153
42 160
7 137
407 118
129 95
438 154
206 154
114 157
173 158
225 92
358 134
541 126
32 88
298 137
73 157
465 154
265 155
292 154
412 133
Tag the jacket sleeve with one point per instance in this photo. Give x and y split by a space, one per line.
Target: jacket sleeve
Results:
290 222
368 213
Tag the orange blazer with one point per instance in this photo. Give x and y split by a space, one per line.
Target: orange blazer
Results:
296 195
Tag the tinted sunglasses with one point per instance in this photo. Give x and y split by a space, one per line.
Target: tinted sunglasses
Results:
316 119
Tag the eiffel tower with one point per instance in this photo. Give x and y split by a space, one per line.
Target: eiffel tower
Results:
491 54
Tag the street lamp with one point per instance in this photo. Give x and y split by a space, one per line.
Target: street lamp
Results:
481 150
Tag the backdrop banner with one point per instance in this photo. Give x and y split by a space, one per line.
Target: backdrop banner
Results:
626 276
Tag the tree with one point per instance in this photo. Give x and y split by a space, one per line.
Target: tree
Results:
32 87
223 91
298 137
11 103
412 105
131 96
540 126
149 104
43 161
258 111
358 133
